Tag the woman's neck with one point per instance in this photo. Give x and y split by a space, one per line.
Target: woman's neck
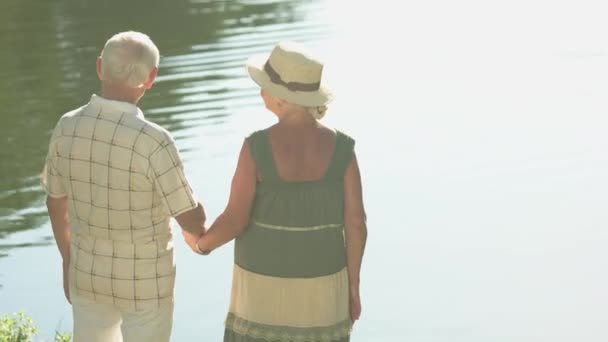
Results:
298 118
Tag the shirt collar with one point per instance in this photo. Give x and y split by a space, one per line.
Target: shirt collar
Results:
116 106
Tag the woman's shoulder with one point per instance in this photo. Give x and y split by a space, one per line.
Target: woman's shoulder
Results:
334 132
257 134
342 137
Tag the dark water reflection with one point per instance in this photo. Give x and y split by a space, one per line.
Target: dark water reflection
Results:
47 61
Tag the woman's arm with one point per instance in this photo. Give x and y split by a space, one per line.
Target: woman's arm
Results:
355 232
235 217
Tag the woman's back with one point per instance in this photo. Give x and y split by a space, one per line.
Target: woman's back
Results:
302 154
296 211
290 262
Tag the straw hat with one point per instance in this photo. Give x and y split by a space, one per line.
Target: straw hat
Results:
290 73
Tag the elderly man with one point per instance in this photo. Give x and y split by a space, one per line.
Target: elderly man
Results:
114 180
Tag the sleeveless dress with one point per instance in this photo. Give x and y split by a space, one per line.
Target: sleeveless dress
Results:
289 280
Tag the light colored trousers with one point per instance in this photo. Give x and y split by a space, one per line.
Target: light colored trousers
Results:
98 322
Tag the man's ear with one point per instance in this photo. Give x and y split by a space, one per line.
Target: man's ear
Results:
99 74
151 78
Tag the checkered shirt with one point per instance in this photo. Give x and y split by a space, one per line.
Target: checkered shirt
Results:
124 180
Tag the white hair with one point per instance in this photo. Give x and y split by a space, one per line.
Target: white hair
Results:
128 58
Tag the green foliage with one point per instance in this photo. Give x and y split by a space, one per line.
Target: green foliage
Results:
62 337
21 328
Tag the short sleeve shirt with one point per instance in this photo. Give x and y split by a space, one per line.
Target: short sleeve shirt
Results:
124 180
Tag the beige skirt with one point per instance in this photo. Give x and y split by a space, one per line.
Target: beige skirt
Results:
289 309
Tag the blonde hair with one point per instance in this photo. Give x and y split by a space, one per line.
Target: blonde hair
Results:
317 112
128 58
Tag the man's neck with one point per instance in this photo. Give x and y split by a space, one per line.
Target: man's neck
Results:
121 93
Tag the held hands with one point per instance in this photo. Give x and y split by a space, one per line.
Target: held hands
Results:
193 240
190 238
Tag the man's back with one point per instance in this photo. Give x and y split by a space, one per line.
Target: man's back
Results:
124 180
111 162
113 181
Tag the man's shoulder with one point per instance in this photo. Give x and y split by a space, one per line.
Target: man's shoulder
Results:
72 113
67 120
157 132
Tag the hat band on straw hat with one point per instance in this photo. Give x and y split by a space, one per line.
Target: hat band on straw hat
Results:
293 86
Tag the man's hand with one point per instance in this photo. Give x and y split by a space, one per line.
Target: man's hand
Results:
66 280
192 220
191 239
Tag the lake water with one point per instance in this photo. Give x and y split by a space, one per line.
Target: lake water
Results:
481 131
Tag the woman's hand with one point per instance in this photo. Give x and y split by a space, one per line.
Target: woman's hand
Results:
355 303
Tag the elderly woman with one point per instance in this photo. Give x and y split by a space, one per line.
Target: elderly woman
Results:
296 211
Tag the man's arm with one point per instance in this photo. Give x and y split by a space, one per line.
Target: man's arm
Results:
57 205
60 222
58 212
177 197
193 220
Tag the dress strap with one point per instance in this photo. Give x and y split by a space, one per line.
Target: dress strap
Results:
262 155
343 154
